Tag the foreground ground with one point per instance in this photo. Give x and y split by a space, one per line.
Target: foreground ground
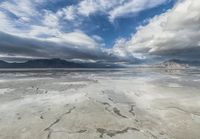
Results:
93 104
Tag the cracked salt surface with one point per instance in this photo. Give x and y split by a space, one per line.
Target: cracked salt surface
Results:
5 90
144 104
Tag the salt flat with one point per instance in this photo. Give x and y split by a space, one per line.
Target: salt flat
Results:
140 103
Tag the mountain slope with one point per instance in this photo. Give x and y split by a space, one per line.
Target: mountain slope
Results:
178 64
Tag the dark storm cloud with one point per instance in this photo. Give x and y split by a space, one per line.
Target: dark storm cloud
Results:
192 53
14 46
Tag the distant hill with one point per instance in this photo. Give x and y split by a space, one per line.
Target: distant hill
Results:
54 63
178 64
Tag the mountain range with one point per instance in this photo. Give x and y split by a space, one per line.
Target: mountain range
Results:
59 63
178 64
54 63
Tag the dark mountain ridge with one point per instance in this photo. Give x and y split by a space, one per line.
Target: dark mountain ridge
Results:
54 63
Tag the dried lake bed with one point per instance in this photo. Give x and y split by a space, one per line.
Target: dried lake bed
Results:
139 103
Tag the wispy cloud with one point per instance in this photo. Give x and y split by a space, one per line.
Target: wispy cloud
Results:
132 7
113 9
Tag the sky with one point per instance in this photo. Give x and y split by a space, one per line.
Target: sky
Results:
99 30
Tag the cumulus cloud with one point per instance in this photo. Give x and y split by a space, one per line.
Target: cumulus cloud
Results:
174 33
119 50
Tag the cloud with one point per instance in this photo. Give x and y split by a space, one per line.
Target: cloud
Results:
69 13
77 39
14 48
17 46
33 46
50 19
48 27
5 23
24 17
174 33
87 7
44 37
133 7
30 30
20 8
21 48
119 50
19 16
113 9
